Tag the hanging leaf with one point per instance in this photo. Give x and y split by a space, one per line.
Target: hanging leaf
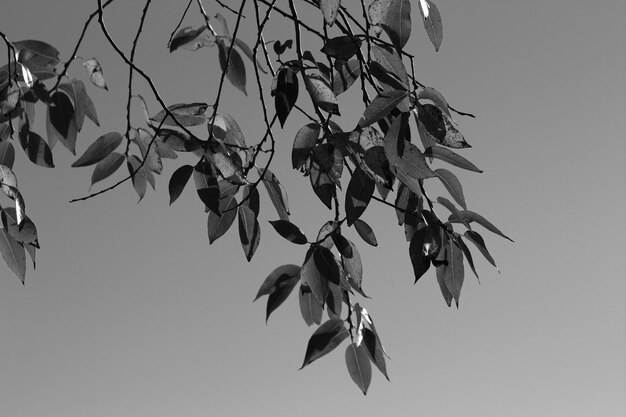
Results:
321 93
429 93
479 242
310 308
217 225
381 106
206 186
25 232
359 366
277 194
13 254
60 125
394 139
9 97
278 285
232 132
432 22
138 174
441 126
179 179
8 181
358 195
313 277
341 47
192 39
353 267
412 164
470 216
285 92
366 232
453 185
450 157
39 57
389 59
289 231
107 167
35 147
250 54
326 338
388 80
326 264
234 67
187 114
466 252
249 231
322 184
375 350
329 9
94 70
345 75
447 204
418 253
99 149
7 154
453 270
393 16
303 144
147 143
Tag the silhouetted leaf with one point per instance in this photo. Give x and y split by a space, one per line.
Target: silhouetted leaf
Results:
99 149
289 231
303 144
322 184
441 126
432 22
452 158
235 69
342 244
249 231
389 59
107 167
418 254
359 366
285 92
381 106
310 308
206 186
278 285
447 204
470 216
321 93
7 154
358 195
187 114
466 252
277 194
453 185
147 143
329 9
341 47
345 75
353 267
394 139
179 179
36 148
412 164
9 97
453 271
13 253
313 277
479 242
326 338
94 70
61 112
375 350
192 39
25 233
217 225
366 232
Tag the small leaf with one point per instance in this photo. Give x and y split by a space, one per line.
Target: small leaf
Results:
358 195
321 93
329 9
187 114
366 232
303 144
341 47
277 194
310 308
450 157
479 242
217 225
432 22
107 167
234 67
289 231
179 179
14 256
470 216
278 285
206 186
453 185
326 338
359 366
94 70
249 231
99 149
381 106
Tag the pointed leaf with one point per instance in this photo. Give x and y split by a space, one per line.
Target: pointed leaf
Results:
329 9
303 144
37 55
249 231
394 17
277 194
187 114
341 47
99 149
217 225
441 126
432 22
345 75
310 308
389 59
381 106
321 93
479 242
7 154
179 179
375 350
326 338
418 254
285 92
470 216
358 195
359 366
412 164
94 70
249 53
138 173
13 253
326 264
365 231
450 157
192 39
107 167
453 185
206 186
313 277
278 275
353 267
289 231
234 67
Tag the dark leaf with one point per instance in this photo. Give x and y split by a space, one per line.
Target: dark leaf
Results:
277 194
107 167
83 106
366 232
286 93
394 16
234 67
329 9
467 254
326 264
61 112
479 242
25 233
303 144
5 131
341 47
36 148
326 338
381 106
343 245
99 149
334 301
313 277
429 93
388 79
322 184
345 75
454 271
192 39
249 53
179 179
249 231
418 253
278 285
310 308
358 195
187 114
389 59
394 139
359 366
7 154
447 204
9 97
206 186
470 216
450 157
289 231
233 134
147 143
217 225
95 73
37 55
413 165
13 253
432 22
353 267
441 126
453 185
324 235
375 350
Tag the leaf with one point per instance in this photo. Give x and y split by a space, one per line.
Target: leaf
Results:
375 350
394 16
94 70
394 139
432 22
326 338
277 194
322 184
453 185
233 134
303 144
249 231
249 53
366 232
179 179
217 225
99 149
412 164
418 254
278 285
83 106
7 154
234 67
353 267
470 216
289 231
285 93
388 80
447 204
326 264
341 47
454 272
466 252
8 181
429 93
450 157
25 233
358 195
138 174
310 308
206 186
345 75
13 253
61 112
107 167
479 242
191 39
381 106
187 114
329 9
359 366
5 131
313 277
147 143
441 126
37 56
36 148
9 98
321 93
389 59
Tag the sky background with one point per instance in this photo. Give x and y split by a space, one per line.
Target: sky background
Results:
130 312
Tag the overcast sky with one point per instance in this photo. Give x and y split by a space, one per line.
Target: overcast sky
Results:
130 312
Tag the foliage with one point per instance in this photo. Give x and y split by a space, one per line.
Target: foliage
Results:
380 155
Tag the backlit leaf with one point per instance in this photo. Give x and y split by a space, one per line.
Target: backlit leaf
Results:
277 194
217 225
470 216
418 254
107 167
366 232
479 242
452 158
187 114
7 154
359 366
38 56
313 277
345 75
353 268
249 231
234 67
138 173
278 285
36 148
381 106
310 308
321 93
375 350
326 338
206 186
441 126
99 149
432 22
329 9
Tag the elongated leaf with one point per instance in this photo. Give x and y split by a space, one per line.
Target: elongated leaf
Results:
365 231
375 350
353 267
8 180
285 92
249 231
359 366
249 53
206 186
358 195
83 106
326 338
94 70
453 185
179 179
329 9
326 264
25 233
303 144
432 22
394 138
278 285
450 157
107 167
470 216
412 164
417 253
289 231
381 106
13 253
479 242
38 56
7 154
139 176
277 194
454 272
389 59
217 225
441 126
35 147
345 75
61 112
429 93
187 114
322 93
235 69
313 277
397 22
310 308
466 252
192 39
99 149
447 204
322 185
341 47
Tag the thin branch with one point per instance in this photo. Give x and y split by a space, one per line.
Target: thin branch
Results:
180 22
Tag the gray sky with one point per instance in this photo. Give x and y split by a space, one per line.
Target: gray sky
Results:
130 312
